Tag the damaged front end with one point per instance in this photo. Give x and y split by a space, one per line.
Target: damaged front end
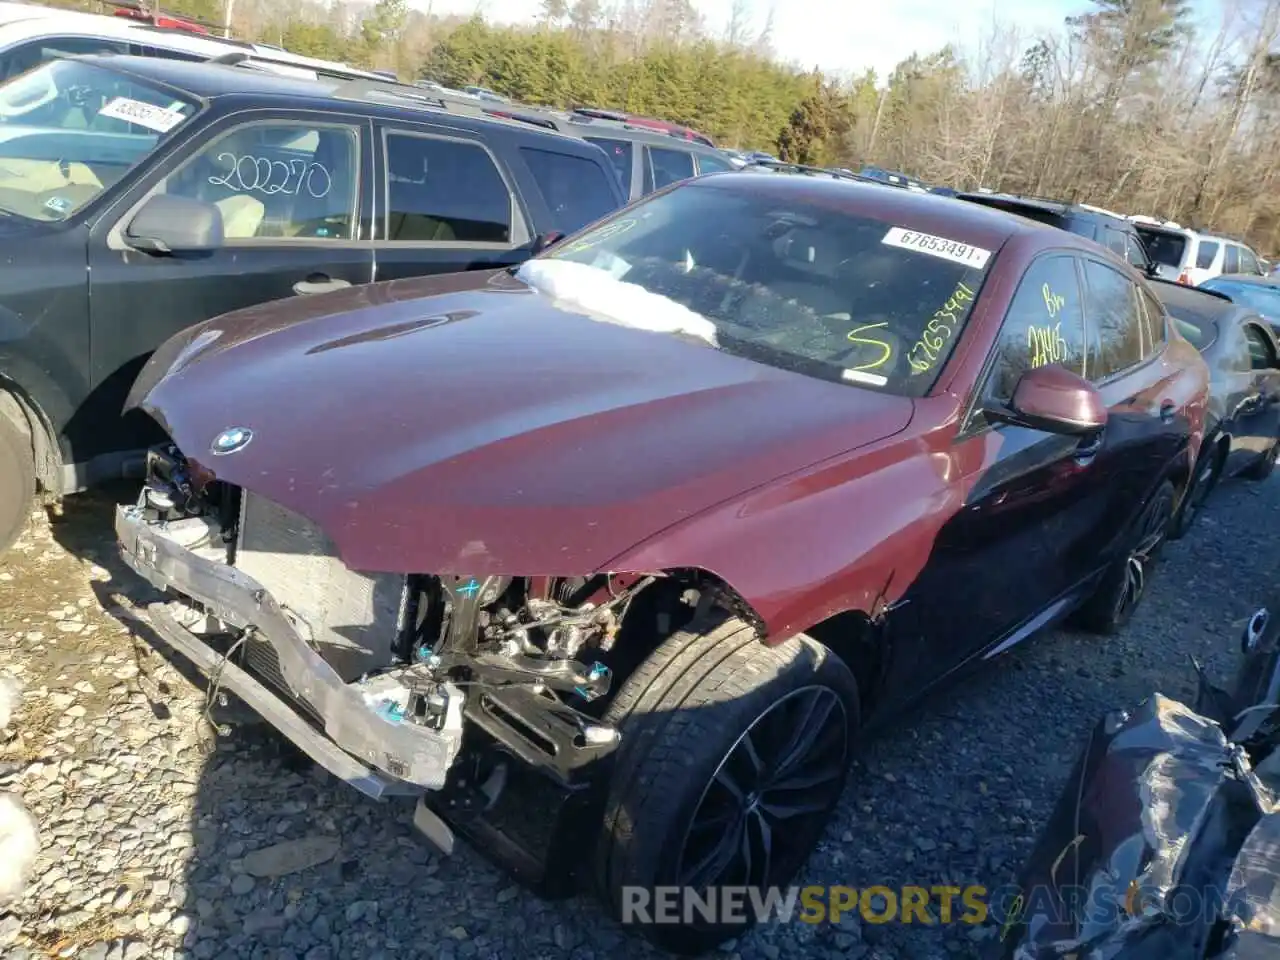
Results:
397 683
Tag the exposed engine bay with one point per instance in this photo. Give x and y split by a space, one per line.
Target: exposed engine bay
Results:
393 668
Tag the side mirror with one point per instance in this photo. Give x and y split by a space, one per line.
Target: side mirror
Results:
167 225
1053 399
544 241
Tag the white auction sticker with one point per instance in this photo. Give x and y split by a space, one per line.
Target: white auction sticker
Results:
859 376
160 119
952 250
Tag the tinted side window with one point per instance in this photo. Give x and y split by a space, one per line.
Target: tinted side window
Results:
574 188
1205 255
1134 253
669 166
1231 259
444 190
710 163
277 180
1116 325
1115 240
1248 262
619 152
1155 316
1261 354
1045 324
27 55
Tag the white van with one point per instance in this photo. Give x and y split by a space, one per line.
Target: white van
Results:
31 34
1189 257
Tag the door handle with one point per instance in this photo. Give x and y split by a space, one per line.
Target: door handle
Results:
1168 410
319 283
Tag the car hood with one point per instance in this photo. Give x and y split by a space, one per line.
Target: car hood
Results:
485 429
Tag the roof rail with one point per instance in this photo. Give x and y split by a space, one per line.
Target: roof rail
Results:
601 113
785 166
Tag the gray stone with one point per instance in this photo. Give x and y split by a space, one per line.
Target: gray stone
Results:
291 856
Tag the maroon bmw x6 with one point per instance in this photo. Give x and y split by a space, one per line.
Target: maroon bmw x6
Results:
609 557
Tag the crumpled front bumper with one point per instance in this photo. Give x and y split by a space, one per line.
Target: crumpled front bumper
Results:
375 755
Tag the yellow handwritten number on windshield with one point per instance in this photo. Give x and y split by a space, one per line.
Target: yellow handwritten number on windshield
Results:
886 351
938 331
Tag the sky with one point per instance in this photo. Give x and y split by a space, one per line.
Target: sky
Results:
839 35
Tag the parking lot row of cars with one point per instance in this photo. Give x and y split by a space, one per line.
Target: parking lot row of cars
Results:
491 466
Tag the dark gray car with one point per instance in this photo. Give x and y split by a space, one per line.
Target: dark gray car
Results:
1242 423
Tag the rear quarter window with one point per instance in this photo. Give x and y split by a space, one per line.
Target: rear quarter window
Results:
1206 254
619 153
576 189
710 163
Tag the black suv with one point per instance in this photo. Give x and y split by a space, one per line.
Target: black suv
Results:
1097 224
644 159
141 195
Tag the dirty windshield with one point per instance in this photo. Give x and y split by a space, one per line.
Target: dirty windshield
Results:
69 130
814 290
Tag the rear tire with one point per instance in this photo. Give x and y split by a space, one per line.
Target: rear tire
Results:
722 738
17 482
1116 598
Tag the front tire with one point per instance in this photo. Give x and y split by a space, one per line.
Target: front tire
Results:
733 756
17 482
1116 598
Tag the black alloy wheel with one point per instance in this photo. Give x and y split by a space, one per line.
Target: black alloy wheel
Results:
773 791
1118 594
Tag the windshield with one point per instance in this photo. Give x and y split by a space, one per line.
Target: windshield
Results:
1163 247
1264 299
811 289
69 130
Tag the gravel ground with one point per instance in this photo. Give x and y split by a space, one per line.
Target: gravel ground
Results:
161 839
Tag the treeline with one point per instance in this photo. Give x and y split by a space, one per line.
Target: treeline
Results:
1132 106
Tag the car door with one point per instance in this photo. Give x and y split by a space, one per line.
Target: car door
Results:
291 188
1259 423
1143 391
445 203
1028 530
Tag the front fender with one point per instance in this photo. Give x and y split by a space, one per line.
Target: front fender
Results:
43 373
851 533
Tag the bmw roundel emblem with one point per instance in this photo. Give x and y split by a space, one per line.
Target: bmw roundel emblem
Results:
231 441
